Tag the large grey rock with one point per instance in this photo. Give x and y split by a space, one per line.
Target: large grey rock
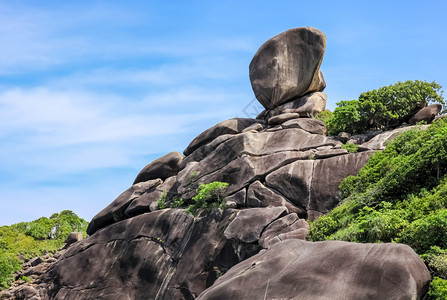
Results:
231 126
259 195
114 212
307 124
165 254
239 173
306 106
163 167
279 119
379 141
280 227
249 223
426 114
313 184
288 66
256 144
296 269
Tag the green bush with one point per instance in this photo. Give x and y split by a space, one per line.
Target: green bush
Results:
208 196
436 260
8 265
352 148
438 289
177 203
384 108
161 200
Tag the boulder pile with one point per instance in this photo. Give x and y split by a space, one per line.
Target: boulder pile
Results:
281 169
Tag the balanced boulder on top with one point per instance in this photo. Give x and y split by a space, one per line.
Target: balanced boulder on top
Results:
288 66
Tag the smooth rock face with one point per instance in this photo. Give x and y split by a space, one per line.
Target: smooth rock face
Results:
307 106
249 223
231 126
114 212
295 269
163 167
279 119
426 114
378 142
282 226
313 184
307 124
288 66
159 255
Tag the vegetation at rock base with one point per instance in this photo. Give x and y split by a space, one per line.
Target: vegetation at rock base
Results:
208 196
352 148
382 109
400 195
32 239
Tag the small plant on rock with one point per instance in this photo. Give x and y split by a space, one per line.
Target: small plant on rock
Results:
351 147
161 200
177 202
208 196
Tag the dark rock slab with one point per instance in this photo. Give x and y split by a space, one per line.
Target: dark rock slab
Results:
307 106
313 184
231 126
114 212
239 198
426 114
279 119
282 226
163 167
287 66
330 153
165 254
258 195
307 124
296 269
249 223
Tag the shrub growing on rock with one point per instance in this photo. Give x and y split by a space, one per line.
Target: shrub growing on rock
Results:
208 196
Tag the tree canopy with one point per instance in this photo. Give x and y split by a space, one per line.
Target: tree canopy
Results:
385 108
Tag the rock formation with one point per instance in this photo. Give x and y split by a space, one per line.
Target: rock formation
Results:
281 170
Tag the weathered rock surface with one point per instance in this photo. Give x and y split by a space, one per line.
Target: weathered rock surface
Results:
378 142
306 106
288 66
279 119
279 229
114 212
426 114
231 126
310 125
162 168
249 223
165 254
295 269
313 184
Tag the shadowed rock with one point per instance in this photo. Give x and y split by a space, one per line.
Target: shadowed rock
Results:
426 114
163 167
295 269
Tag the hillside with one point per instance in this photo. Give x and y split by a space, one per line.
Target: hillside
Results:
26 240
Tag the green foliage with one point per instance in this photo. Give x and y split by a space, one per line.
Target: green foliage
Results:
438 289
26 279
324 115
9 263
352 148
400 195
178 202
32 239
161 200
384 108
208 196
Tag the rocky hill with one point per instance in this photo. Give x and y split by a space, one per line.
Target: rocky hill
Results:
246 239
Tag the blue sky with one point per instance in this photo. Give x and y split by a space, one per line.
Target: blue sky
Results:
92 91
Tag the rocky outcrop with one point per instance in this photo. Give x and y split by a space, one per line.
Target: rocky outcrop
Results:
281 169
295 269
162 168
427 114
288 66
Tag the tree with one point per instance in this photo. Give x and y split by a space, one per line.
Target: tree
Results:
385 108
